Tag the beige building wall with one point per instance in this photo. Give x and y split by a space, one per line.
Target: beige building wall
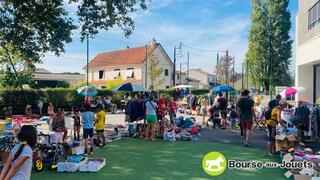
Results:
72 79
181 78
109 72
165 63
203 78
307 51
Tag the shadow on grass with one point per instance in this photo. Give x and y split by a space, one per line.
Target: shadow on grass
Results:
138 159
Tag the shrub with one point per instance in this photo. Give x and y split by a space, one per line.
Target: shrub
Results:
62 97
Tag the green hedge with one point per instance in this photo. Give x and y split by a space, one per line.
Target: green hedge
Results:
62 97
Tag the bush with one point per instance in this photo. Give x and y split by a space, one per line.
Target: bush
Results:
62 97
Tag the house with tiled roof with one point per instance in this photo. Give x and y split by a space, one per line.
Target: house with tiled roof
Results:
207 80
130 65
182 78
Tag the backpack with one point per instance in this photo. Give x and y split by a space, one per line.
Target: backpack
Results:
233 114
223 103
267 114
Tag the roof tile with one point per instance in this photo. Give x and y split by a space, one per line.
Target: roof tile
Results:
121 57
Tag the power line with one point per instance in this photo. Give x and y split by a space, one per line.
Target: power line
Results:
204 50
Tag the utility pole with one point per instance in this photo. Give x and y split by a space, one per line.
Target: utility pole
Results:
242 76
247 74
227 66
88 60
146 74
217 69
188 68
233 72
180 74
174 63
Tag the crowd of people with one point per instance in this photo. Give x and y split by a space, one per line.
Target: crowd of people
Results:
243 110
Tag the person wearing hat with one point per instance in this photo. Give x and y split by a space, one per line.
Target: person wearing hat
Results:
246 113
271 125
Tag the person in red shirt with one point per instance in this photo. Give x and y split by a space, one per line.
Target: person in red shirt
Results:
162 113
172 108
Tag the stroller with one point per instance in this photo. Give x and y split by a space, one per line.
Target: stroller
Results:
47 152
214 119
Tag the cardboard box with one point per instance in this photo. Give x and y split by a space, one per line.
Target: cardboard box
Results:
287 157
291 138
77 150
301 177
288 174
68 167
86 166
281 138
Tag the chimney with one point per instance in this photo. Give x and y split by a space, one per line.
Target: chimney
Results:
153 42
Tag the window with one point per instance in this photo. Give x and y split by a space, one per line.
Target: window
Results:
314 16
116 73
166 72
178 76
130 73
167 87
101 74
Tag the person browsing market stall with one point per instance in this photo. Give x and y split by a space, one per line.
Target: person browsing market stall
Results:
59 124
246 113
151 117
271 125
87 121
100 121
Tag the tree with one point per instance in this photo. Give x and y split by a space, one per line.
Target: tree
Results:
9 79
224 70
114 83
29 29
154 72
268 57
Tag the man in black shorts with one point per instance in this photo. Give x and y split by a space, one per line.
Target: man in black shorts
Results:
223 105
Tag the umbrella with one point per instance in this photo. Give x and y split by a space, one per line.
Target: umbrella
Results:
290 91
87 91
219 89
129 87
183 86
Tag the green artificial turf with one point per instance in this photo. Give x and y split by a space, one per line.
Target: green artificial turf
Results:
138 159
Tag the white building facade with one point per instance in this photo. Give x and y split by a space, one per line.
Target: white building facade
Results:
132 65
308 49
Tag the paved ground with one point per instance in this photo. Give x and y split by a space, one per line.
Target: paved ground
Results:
211 134
258 138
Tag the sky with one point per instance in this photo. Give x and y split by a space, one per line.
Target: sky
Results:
211 25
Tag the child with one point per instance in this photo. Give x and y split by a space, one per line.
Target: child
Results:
87 121
100 121
76 125
172 108
20 158
233 117
169 134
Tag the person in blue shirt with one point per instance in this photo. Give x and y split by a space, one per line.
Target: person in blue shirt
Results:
88 121
19 162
